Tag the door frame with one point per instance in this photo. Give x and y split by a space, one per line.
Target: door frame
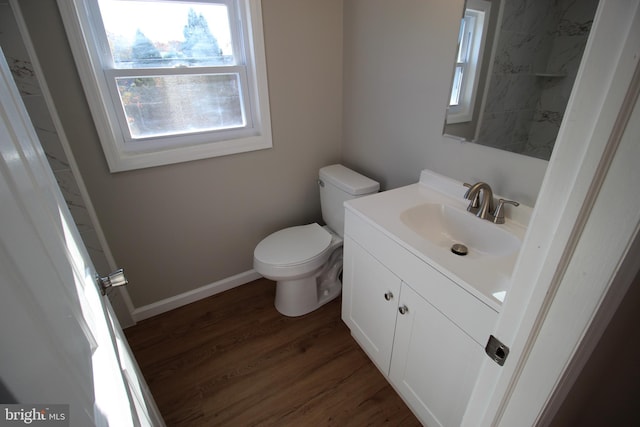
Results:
603 97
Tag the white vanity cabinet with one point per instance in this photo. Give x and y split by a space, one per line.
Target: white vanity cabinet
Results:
421 329
434 363
370 302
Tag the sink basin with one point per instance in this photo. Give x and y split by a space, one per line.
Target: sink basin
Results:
445 226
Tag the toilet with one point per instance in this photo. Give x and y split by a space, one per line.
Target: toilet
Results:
306 260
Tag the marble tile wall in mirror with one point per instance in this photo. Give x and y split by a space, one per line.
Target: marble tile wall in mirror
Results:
534 64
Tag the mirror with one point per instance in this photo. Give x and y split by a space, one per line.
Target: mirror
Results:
525 61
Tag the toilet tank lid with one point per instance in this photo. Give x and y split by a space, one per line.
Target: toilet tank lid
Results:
348 180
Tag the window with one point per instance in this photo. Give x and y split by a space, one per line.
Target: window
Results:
467 68
169 81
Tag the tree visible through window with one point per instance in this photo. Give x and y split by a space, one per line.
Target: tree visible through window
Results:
175 103
199 42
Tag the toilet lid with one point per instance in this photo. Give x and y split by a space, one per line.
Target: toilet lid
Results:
294 245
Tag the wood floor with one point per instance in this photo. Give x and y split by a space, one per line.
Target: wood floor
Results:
233 360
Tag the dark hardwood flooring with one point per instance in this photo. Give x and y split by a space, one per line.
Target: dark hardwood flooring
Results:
233 360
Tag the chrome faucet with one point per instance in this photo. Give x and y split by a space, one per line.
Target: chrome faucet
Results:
482 207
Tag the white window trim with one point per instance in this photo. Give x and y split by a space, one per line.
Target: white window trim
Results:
463 112
119 158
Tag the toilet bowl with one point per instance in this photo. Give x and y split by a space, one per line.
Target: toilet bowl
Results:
306 260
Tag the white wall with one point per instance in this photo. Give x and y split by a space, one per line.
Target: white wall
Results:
398 61
176 228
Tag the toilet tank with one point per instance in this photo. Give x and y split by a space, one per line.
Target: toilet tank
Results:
337 185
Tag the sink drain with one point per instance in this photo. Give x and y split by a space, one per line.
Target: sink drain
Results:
459 249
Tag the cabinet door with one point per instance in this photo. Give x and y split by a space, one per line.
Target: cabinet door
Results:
434 364
369 301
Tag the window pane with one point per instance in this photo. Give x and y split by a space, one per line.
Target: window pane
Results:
144 34
466 37
456 87
460 57
170 105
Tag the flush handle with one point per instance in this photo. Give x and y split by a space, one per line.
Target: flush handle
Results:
113 280
388 296
497 351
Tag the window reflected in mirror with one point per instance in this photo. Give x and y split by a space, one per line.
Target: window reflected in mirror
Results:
531 57
471 40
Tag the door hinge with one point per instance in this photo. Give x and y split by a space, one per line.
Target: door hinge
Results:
497 351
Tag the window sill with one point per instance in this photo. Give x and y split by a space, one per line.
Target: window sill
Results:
120 161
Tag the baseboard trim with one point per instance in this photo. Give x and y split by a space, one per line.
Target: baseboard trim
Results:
194 295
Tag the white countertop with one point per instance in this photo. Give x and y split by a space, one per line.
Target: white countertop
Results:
485 276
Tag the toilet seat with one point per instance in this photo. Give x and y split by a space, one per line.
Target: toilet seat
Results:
293 251
293 245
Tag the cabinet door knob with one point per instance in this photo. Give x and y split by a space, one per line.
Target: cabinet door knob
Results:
388 296
403 309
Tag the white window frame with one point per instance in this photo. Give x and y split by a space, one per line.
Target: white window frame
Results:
84 30
477 17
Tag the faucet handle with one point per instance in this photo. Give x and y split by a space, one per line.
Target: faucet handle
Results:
474 205
498 215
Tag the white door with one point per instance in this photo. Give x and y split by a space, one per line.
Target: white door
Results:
60 342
